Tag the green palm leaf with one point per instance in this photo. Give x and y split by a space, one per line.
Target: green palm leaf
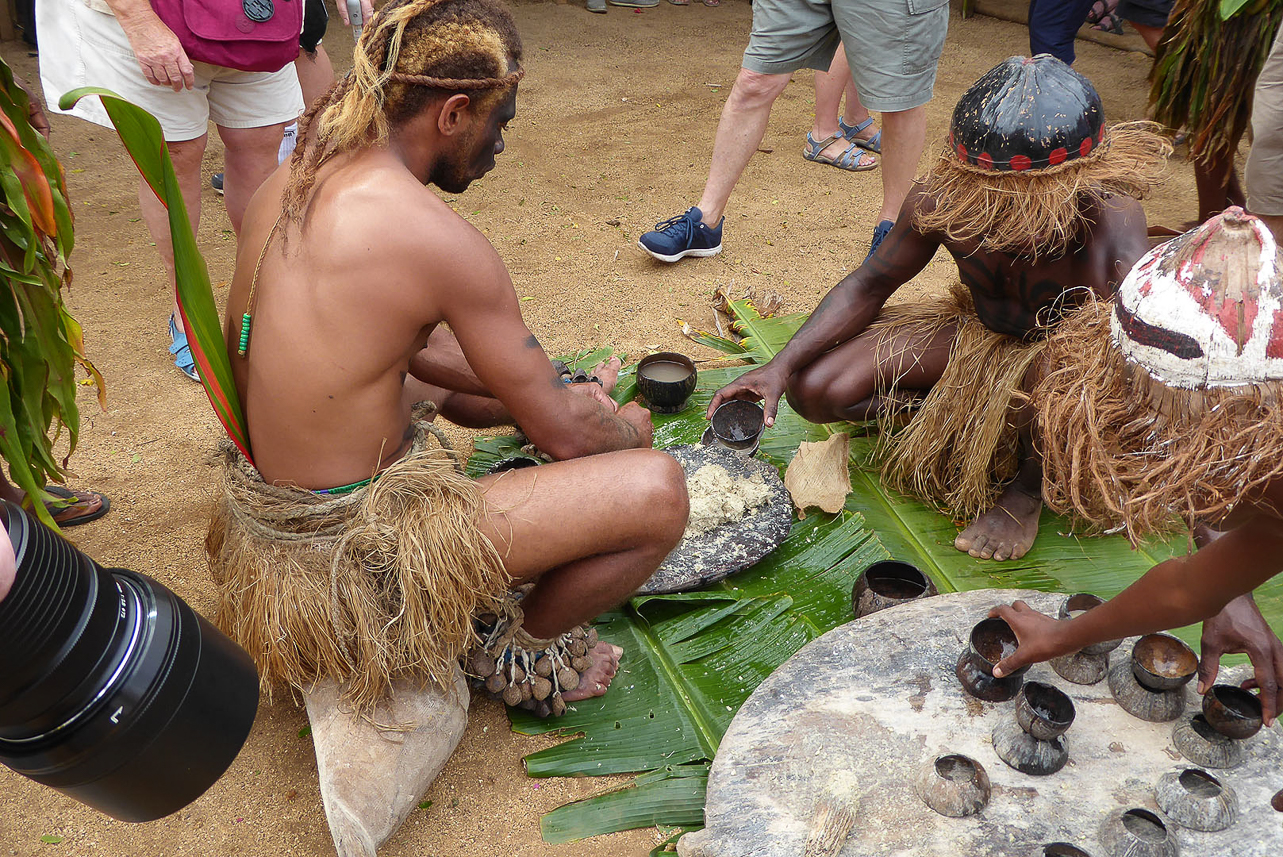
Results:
142 137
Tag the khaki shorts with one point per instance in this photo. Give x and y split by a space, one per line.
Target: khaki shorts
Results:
84 47
892 45
1264 174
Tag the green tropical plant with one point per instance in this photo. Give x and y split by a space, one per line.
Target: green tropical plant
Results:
693 658
40 343
143 139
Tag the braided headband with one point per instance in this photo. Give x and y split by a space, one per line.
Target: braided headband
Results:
454 83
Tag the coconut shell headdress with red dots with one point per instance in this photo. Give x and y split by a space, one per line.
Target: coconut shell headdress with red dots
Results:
1166 404
1028 157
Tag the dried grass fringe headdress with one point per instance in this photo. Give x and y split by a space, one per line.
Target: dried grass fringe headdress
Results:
1040 212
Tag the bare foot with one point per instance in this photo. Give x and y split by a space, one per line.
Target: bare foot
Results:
1007 531
594 682
607 371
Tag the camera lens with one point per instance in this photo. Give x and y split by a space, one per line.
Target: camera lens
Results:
112 689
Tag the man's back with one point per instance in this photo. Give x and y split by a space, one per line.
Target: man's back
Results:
338 311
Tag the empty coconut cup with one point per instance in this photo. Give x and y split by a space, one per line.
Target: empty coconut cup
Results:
1232 711
666 380
738 425
990 641
1043 711
888 583
1162 662
1196 740
953 785
1197 800
1136 833
1081 667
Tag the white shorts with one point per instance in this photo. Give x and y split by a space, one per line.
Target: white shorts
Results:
80 46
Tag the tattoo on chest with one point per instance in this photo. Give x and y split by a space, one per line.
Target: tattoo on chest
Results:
1010 301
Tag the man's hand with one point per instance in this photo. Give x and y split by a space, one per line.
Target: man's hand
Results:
159 53
639 418
1240 629
767 383
1039 636
367 12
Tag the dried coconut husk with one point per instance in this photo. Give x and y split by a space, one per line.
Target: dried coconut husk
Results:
960 447
362 588
1040 212
1122 450
819 475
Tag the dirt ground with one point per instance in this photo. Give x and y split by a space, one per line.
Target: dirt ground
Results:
613 133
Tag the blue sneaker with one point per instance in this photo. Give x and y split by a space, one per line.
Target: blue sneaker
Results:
682 236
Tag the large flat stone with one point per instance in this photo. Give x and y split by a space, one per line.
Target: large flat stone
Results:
851 718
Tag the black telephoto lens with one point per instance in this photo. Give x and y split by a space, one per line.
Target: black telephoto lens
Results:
112 689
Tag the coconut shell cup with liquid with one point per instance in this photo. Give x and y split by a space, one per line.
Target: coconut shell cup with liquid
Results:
666 380
1156 706
888 583
991 640
1232 711
1162 662
738 424
1043 711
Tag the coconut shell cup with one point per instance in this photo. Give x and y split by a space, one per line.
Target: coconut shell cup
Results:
738 424
1027 754
888 583
665 396
1136 833
1156 706
1058 849
1162 662
1081 668
991 640
1081 603
1232 711
953 785
1196 740
1045 712
1196 800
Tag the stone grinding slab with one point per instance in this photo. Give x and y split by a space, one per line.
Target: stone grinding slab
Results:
852 717
732 546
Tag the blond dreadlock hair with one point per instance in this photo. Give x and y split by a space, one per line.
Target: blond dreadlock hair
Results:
413 51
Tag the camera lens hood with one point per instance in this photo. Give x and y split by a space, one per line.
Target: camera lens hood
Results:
112 689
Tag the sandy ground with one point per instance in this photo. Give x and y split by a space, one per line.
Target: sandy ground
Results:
613 133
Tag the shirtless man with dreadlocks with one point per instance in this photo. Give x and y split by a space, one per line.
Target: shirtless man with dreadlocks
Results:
347 266
1035 200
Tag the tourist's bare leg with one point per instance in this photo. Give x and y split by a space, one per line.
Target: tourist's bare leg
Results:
250 157
904 134
587 532
829 87
843 383
739 133
186 156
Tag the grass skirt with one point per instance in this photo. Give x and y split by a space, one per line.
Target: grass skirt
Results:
1121 450
960 447
363 588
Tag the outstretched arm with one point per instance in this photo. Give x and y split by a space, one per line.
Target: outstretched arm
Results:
845 312
1173 593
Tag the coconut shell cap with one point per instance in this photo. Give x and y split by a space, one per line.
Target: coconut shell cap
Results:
1027 113
1205 310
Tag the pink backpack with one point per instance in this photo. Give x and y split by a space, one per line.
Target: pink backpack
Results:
249 35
